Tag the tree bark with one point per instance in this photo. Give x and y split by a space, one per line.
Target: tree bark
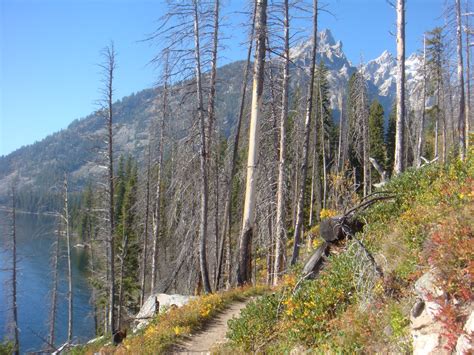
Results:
226 230
211 114
145 232
280 235
400 125
203 156
419 142
54 295
307 128
460 71
323 143
109 69
16 339
468 76
69 268
157 205
123 255
244 271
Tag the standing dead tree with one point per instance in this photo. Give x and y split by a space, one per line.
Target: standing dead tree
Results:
359 113
108 67
159 166
212 144
400 123
65 220
228 213
203 225
183 35
435 77
144 259
419 142
14 269
245 248
280 235
54 293
307 128
468 32
460 72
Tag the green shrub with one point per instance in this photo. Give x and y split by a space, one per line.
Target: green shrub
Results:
255 325
6 348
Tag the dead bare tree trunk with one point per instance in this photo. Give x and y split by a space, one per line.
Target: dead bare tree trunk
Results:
468 76
145 232
109 70
69 268
157 204
122 257
211 114
226 231
244 271
16 339
280 235
323 144
307 128
315 194
203 155
400 125
54 295
460 71
419 142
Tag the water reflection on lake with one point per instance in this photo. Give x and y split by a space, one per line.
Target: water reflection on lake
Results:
35 235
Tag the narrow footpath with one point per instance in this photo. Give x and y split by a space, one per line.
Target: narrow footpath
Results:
211 335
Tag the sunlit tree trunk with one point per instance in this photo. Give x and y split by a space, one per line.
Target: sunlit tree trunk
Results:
400 125
244 271
226 241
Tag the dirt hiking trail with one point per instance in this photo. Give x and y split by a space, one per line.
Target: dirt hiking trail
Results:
211 335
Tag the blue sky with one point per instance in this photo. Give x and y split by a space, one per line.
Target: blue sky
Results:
49 51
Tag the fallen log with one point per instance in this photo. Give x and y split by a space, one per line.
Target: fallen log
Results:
338 227
315 262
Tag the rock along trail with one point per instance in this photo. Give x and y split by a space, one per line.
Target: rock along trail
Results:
213 333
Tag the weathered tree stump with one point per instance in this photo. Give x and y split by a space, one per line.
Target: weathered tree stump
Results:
332 229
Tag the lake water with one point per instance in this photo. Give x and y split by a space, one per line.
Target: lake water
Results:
35 236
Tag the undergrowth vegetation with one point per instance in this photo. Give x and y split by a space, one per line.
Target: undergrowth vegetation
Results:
348 307
168 327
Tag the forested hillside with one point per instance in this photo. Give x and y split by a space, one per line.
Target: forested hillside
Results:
337 187
376 291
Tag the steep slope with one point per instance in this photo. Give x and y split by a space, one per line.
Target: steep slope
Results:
421 299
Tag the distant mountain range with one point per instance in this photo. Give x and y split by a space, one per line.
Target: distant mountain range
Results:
74 149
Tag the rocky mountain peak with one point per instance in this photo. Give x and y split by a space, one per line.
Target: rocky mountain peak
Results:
326 38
